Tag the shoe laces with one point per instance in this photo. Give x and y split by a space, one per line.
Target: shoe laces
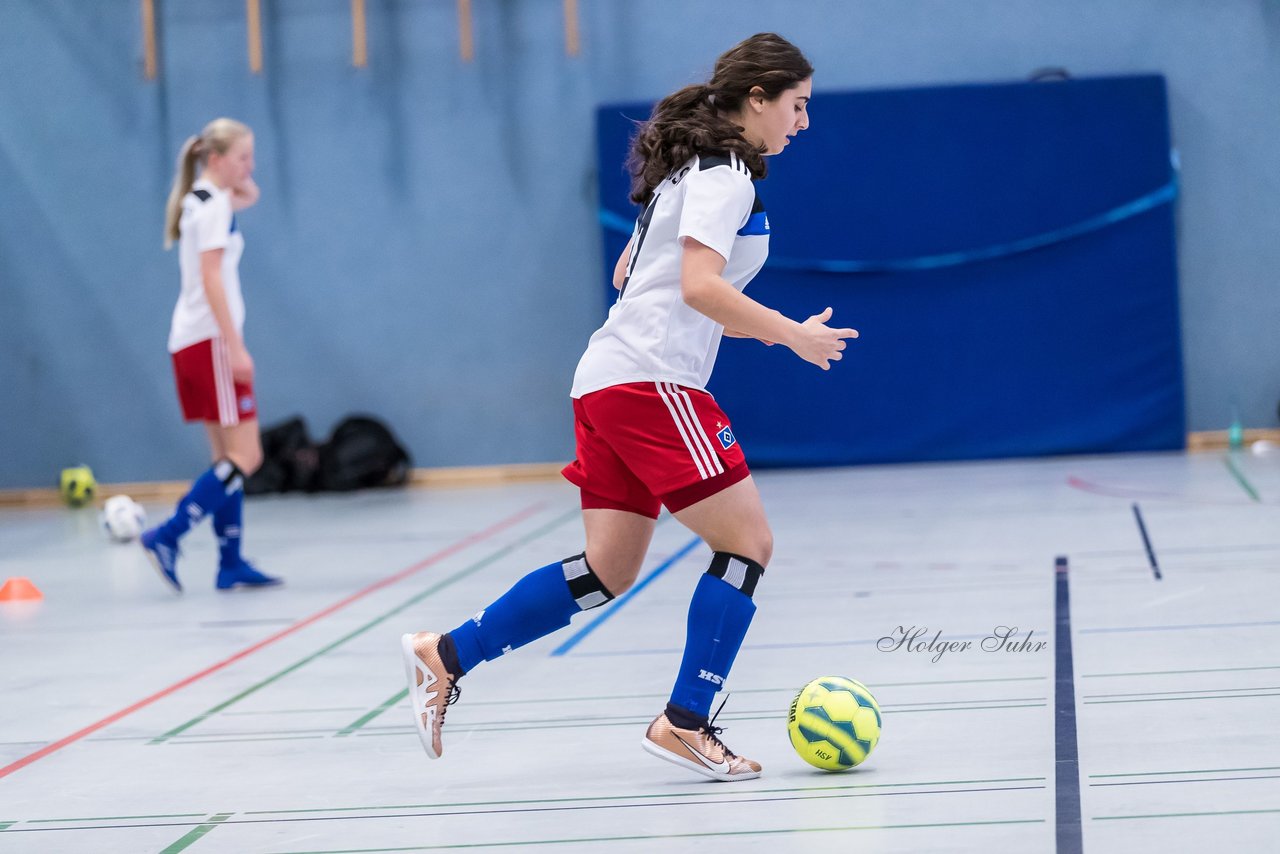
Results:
713 732
454 692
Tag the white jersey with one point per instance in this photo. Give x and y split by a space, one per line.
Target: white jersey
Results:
207 223
651 334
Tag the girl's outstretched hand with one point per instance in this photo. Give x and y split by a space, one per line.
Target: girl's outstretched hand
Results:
819 344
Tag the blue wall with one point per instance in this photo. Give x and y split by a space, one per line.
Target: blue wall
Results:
427 248
971 348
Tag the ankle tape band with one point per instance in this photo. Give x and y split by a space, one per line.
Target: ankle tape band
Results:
230 475
585 586
742 572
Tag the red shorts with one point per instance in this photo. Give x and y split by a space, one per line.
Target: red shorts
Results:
205 387
643 445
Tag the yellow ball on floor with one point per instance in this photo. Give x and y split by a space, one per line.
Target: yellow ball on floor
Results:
77 485
834 723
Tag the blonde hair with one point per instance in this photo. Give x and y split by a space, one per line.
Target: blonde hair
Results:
219 135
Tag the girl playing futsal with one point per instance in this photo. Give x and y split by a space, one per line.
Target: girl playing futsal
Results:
648 434
213 369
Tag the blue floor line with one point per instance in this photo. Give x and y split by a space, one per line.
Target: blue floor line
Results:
1067 778
577 636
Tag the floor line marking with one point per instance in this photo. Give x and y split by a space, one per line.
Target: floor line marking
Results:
1240 478
196 833
1184 691
577 637
650 795
1068 826
491 812
1191 771
118 817
702 835
1146 541
1184 814
1190 780
1118 629
469 540
365 718
440 585
593 720
1179 672
1126 492
693 793
1172 699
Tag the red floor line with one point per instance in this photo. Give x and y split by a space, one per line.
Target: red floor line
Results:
469 540
1131 494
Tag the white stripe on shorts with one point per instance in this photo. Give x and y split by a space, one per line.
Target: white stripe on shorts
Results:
681 409
228 412
695 427
675 416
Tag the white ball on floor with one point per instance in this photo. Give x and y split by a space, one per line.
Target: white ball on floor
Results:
1264 447
123 518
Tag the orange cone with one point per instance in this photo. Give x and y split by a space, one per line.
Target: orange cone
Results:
18 588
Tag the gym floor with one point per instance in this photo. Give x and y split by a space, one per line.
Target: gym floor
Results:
135 720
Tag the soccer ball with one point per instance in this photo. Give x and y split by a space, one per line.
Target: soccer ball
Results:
77 485
123 518
834 723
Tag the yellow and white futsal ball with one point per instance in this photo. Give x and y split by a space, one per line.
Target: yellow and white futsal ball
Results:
123 518
834 723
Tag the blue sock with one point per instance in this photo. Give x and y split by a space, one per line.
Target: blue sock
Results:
226 526
209 492
719 615
537 605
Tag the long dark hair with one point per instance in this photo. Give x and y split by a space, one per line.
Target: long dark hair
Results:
692 119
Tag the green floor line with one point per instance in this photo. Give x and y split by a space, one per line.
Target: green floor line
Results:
1183 814
789 690
1173 699
300 711
364 719
117 817
594 720
655 836
902 711
1196 771
435 588
650 795
1240 478
232 740
195 833
5 825
899 707
1170 693
400 730
1180 672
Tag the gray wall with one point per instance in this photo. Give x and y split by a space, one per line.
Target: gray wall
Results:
426 248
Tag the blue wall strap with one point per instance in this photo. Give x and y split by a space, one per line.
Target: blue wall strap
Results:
1140 205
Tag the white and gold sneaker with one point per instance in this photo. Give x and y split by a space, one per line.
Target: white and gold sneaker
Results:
699 750
431 687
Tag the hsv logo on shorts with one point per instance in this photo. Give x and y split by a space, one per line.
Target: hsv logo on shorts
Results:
726 437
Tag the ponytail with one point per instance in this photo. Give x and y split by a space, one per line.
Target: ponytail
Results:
683 124
182 181
693 119
217 136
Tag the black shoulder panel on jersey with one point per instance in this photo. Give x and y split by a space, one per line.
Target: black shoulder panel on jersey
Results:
202 195
711 159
